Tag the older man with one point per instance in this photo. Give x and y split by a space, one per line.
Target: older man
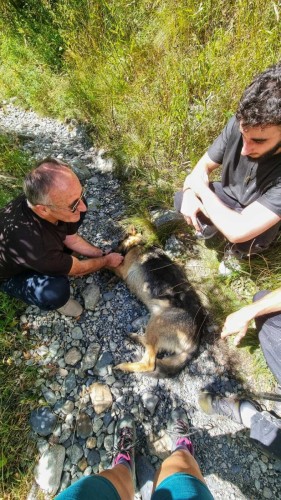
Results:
38 232
246 205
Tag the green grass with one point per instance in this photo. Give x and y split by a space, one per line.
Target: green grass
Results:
154 80
13 165
16 380
16 399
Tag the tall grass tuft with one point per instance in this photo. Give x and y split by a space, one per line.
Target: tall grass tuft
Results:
16 379
155 79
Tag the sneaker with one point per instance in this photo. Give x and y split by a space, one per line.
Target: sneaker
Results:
71 308
217 405
230 261
206 232
124 442
179 430
229 266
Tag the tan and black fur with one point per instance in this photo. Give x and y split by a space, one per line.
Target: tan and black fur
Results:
177 316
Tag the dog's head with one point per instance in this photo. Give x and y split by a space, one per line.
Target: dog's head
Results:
129 241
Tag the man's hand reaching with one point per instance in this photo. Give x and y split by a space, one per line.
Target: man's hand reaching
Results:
237 322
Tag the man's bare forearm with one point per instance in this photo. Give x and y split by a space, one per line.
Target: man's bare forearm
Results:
238 322
76 243
268 304
201 170
87 266
223 217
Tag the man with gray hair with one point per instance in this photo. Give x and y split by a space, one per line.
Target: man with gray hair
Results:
38 233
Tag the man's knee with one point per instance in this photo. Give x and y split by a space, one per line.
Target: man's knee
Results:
266 431
53 292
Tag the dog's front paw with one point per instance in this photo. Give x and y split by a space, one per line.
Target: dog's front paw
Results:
124 367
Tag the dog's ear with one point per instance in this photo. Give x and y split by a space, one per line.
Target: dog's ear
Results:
132 231
129 242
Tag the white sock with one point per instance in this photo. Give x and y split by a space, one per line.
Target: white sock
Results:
247 411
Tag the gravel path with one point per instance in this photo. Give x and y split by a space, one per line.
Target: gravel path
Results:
75 358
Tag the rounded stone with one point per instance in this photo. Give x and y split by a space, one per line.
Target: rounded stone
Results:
43 421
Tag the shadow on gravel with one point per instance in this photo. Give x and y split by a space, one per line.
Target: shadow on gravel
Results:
233 458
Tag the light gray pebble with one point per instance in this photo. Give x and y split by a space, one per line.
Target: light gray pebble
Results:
65 480
108 443
100 440
77 333
54 348
91 295
72 356
67 407
65 435
88 471
67 464
267 493
150 401
50 396
97 425
42 445
84 426
49 469
110 380
42 350
75 452
110 428
70 382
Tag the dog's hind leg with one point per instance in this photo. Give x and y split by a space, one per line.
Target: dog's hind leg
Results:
146 364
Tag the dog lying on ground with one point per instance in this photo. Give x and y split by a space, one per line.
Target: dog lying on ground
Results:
177 316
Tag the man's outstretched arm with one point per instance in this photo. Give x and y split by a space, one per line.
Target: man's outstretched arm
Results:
87 266
76 243
238 322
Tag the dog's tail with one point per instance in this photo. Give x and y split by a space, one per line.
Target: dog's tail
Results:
171 365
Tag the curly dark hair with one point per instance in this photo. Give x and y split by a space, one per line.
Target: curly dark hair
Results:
261 102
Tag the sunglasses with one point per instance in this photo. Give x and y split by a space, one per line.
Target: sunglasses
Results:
73 207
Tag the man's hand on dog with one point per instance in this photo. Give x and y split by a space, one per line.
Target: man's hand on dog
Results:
113 259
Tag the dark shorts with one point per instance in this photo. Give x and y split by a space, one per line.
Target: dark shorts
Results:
269 330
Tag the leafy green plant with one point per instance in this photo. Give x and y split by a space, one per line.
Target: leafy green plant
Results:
16 380
16 398
13 165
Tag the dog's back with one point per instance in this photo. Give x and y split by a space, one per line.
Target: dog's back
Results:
177 315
